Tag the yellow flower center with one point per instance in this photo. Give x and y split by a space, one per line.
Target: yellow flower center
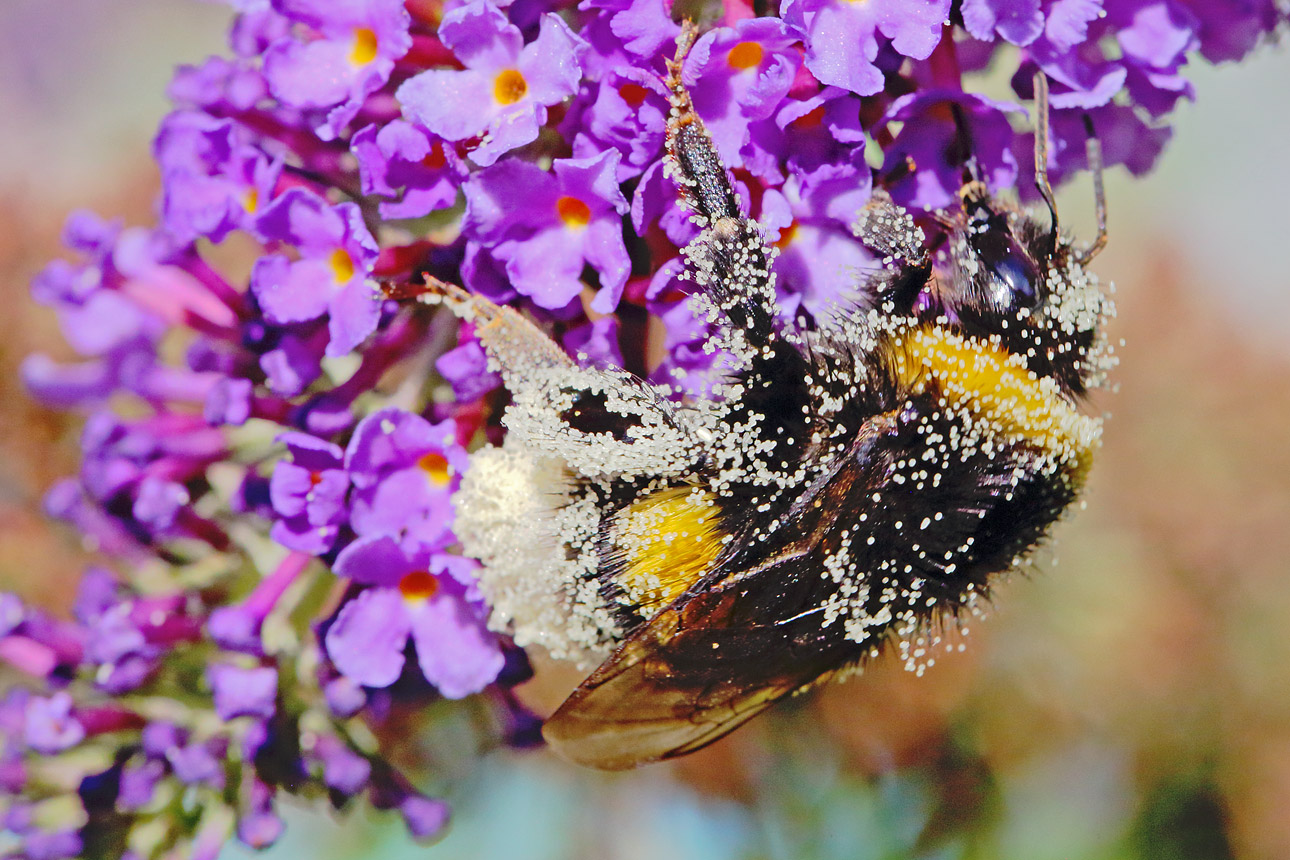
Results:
436 468
745 55
342 266
509 86
251 200
418 586
364 50
573 212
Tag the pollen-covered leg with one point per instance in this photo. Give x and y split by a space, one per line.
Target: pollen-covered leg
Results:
510 340
730 260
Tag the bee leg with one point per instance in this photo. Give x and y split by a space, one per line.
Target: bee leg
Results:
1042 142
511 340
887 229
730 261
1093 150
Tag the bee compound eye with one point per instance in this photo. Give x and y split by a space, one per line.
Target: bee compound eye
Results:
1011 276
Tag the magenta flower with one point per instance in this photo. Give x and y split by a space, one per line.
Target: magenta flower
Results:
842 38
741 74
415 169
331 276
404 470
426 597
355 149
548 227
308 492
502 95
347 52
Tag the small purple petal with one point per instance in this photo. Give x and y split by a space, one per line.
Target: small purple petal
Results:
242 692
366 642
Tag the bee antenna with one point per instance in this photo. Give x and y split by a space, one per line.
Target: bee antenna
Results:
965 152
1042 141
1093 151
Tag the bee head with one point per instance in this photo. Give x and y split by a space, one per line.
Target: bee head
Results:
1007 276
1009 273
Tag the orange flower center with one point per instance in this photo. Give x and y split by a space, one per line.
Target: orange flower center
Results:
251 200
573 212
342 266
812 119
786 236
509 86
435 159
745 55
364 50
437 468
417 586
633 94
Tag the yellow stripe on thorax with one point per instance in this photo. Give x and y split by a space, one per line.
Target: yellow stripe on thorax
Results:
994 385
669 539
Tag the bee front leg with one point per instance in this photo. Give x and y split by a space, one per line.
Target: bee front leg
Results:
731 260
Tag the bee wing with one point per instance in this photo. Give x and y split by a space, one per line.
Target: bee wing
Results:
696 671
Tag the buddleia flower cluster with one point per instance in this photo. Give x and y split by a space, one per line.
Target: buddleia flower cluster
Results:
270 452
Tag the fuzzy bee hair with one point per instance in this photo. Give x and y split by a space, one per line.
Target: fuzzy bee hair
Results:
848 489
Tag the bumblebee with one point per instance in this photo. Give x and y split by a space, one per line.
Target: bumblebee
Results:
849 488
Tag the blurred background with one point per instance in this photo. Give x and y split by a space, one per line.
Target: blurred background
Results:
1129 698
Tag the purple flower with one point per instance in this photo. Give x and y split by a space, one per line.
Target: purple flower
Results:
330 121
331 276
465 368
400 160
197 763
404 470
842 37
819 142
211 182
929 135
308 493
344 770
294 361
237 627
419 595
139 782
51 845
1230 29
218 84
260 827
739 75
51 725
819 259
242 692
348 53
627 33
548 228
1018 21
502 95
626 110
425 817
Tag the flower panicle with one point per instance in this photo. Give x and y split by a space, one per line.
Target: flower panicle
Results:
269 459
